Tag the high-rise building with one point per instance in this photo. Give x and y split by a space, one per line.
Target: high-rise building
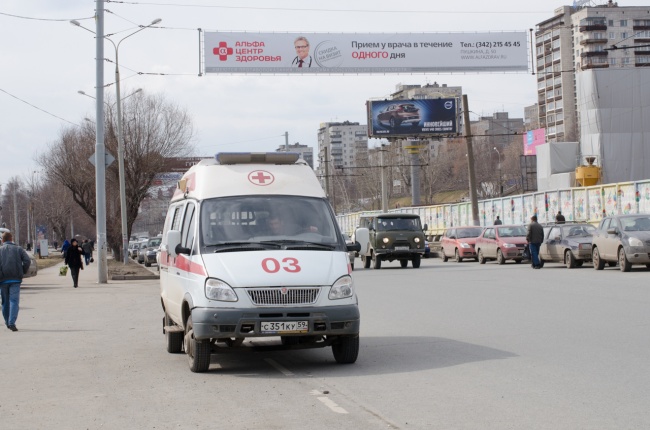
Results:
342 145
579 38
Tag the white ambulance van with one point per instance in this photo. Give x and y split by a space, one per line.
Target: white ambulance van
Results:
251 249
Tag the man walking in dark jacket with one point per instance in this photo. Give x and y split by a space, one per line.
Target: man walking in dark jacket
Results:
14 263
535 237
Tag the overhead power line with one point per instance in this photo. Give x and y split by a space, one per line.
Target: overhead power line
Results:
45 19
36 107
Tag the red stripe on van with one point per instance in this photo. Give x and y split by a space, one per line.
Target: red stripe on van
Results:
184 263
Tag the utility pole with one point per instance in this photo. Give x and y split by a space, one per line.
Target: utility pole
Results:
16 225
100 149
327 174
384 189
470 162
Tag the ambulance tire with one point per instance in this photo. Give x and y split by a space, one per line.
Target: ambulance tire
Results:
174 339
346 349
198 353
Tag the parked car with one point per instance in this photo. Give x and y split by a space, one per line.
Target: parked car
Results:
501 243
133 252
624 239
140 252
427 249
399 114
150 256
460 243
147 246
569 244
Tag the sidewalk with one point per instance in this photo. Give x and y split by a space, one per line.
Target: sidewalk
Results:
71 363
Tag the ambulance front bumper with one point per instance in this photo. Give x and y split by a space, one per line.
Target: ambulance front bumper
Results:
211 323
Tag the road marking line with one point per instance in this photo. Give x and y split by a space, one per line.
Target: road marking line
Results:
280 368
333 406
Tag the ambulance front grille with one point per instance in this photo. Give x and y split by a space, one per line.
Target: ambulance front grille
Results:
283 296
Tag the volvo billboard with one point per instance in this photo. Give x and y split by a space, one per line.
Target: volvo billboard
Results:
421 117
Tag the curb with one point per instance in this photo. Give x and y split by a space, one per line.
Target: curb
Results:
134 277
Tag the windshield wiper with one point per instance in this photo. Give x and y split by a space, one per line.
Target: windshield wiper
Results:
241 246
297 244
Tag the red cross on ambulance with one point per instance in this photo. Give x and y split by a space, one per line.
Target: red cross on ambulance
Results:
261 177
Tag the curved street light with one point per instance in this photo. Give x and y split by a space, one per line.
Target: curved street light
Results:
120 138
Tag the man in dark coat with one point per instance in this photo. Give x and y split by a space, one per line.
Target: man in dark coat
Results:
14 263
535 237
73 260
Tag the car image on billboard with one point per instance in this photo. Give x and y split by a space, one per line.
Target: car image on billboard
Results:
420 117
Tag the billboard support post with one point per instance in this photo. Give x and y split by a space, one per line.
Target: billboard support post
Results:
384 194
470 162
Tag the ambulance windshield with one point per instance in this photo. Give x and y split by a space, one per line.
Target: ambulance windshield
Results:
255 219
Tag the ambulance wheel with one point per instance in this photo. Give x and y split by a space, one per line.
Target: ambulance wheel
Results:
198 353
174 339
346 349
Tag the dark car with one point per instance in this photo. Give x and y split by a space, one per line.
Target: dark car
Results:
399 114
624 239
569 244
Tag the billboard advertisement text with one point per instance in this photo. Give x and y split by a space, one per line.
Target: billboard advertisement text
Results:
422 117
227 52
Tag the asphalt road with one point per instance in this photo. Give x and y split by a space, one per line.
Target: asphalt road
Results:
446 346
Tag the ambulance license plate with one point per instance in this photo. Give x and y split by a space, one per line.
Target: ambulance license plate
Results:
401 248
285 327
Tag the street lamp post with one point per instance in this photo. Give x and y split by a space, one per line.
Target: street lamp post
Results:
120 143
120 138
500 186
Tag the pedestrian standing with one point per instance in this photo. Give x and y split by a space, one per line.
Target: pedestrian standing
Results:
535 237
88 250
14 263
559 218
74 262
498 221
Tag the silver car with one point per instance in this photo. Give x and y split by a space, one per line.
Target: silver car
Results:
624 239
569 244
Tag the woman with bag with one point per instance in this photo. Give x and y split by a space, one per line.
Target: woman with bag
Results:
73 260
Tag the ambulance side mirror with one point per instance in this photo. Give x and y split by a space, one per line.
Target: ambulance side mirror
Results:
173 241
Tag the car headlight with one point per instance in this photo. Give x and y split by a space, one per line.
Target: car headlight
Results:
416 240
633 241
465 245
509 245
385 240
219 290
342 288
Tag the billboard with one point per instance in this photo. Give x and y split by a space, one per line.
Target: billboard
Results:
306 53
422 117
532 139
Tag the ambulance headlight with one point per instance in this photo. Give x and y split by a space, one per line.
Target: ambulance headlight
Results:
342 288
219 290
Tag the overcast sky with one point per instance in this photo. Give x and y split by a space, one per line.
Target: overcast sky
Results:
44 61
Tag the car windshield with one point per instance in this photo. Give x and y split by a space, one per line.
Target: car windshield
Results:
469 232
154 242
253 220
578 230
517 231
409 108
391 224
640 223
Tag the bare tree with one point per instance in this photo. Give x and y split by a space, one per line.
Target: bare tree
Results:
153 129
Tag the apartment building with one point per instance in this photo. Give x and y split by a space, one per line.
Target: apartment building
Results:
306 152
579 38
341 145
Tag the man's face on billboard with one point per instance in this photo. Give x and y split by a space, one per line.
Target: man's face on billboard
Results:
302 48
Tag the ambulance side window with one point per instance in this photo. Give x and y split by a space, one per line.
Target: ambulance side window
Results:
176 222
187 234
